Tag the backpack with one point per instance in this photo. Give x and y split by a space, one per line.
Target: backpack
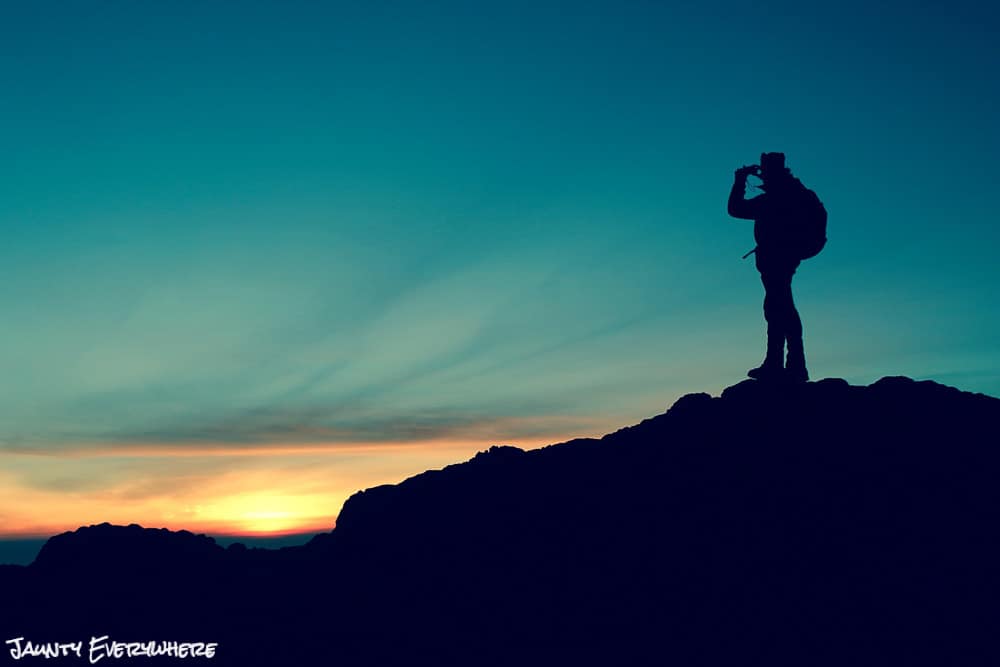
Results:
810 236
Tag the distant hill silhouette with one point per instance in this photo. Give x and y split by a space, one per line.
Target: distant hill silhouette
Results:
812 524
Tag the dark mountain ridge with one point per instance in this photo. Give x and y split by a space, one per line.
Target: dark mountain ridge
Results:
811 524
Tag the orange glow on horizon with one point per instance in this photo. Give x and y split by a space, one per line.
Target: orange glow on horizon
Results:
268 490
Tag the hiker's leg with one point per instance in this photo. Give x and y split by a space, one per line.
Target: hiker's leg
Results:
779 306
796 363
793 324
775 327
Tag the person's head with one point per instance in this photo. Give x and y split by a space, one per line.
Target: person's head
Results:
772 166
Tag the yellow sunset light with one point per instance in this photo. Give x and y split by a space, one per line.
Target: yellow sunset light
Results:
217 489
266 512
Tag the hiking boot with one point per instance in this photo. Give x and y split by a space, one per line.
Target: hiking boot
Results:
795 366
766 371
771 369
797 374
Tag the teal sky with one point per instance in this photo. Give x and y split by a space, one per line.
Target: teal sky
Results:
277 222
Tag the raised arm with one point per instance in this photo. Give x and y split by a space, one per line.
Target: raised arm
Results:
738 206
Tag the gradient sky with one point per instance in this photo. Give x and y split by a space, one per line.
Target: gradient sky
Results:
260 255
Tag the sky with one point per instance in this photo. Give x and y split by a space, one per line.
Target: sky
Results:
259 256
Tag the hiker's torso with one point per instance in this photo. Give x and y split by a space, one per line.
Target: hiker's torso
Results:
772 228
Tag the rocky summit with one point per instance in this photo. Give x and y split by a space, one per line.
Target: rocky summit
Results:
820 523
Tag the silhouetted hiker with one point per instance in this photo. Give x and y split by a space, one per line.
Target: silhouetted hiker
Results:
789 226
